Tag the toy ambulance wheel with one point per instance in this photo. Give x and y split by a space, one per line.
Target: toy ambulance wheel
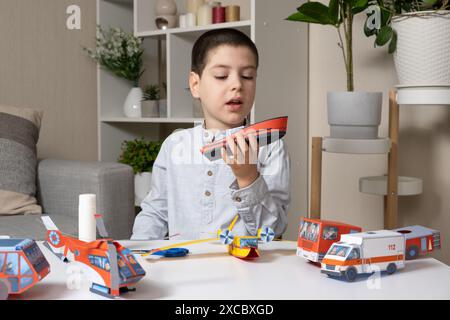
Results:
3 290
412 253
350 274
391 268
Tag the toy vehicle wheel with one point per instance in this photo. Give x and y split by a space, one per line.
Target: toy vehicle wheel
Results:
412 252
3 290
350 274
391 268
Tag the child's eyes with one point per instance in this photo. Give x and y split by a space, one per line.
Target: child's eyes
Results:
225 77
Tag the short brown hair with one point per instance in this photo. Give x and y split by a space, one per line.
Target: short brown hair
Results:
215 38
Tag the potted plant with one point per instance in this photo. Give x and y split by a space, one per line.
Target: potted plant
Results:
150 101
351 114
121 53
417 32
140 154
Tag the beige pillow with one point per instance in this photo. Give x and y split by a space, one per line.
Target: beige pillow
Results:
19 134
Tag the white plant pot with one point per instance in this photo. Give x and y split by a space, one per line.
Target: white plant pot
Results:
142 183
423 46
132 108
354 115
150 109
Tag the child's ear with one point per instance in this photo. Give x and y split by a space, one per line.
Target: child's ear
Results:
194 82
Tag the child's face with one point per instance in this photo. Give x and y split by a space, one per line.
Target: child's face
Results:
227 86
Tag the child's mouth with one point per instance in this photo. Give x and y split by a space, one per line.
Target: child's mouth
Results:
234 104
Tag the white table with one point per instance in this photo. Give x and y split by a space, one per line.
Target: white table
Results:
208 272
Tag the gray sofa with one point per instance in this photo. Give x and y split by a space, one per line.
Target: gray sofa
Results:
60 182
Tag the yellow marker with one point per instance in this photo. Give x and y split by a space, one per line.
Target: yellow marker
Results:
233 223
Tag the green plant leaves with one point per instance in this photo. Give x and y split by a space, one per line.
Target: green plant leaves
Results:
384 35
333 11
312 12
140 154
358 6
393 43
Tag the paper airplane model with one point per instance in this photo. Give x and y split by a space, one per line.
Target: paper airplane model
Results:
245 247
112 268
266 132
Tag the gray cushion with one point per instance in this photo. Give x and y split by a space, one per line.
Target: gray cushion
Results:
19 134
31 226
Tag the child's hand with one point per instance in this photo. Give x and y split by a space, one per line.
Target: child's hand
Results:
244 158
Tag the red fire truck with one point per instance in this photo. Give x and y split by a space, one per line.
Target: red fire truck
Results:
419 240
316 237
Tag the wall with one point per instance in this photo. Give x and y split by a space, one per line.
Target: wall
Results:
424 145
43 66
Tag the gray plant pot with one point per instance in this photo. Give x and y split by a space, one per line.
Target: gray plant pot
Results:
354 115
150 109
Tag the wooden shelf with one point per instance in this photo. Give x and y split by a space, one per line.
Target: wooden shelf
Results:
423 95
407 186
357 146
193 30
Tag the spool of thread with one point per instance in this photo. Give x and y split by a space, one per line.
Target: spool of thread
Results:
232 13
87 208
191 20
218 15
193 5
215 4
183 21
204 15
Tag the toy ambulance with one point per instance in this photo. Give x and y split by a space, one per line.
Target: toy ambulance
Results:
316 236
365 252
22 265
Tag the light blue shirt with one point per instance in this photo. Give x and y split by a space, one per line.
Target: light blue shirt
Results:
194 197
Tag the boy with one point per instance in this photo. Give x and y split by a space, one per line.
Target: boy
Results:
193 196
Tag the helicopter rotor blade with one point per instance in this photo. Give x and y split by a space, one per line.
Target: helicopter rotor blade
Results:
114 268
101 226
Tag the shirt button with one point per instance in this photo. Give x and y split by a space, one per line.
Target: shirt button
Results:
238 199
210 173
207 193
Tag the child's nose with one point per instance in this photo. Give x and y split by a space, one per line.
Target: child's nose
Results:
236 83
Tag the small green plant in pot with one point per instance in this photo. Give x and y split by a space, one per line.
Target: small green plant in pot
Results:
351 115
140 154
150 100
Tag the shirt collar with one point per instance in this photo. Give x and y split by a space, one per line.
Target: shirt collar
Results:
210 136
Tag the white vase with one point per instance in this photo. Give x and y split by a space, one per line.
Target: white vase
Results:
133 103
423 45
165 7
142 183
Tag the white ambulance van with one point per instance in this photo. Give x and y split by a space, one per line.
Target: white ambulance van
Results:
365 252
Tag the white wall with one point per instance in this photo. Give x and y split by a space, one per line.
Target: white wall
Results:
424 146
